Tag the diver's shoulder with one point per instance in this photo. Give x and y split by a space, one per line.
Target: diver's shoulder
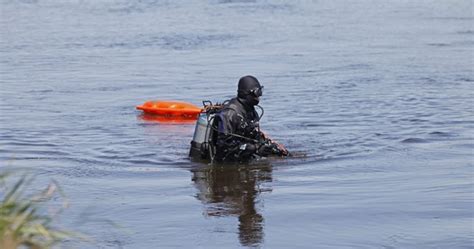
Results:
232 105
231 108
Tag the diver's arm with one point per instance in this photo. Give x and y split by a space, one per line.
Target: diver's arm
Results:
272 146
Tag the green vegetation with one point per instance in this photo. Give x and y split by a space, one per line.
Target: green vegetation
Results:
26 220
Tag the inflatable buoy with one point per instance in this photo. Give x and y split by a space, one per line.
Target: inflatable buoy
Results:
173 110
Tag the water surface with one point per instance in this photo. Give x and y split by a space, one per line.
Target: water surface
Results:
377 94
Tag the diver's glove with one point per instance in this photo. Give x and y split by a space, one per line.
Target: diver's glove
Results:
265 149
281 150
271 145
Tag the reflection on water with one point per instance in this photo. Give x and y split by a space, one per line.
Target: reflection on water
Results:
167 119
235 191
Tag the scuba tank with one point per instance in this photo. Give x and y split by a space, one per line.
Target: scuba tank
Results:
203 143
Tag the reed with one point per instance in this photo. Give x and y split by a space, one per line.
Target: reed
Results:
24 219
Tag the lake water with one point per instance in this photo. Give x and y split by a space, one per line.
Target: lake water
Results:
378 96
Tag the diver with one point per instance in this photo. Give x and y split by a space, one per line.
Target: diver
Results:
239 138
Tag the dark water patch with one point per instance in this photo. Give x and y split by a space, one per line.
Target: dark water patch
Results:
145 85
430 80
142 162
301 55
90 166
141 173
112 157
438 44
426 115
83 172
75 45
19 154
465 79
442 134
454 18
42 91
331 124
173 42
138 6
456 186
414 120
414 140
324 133
236 1
466 32
348 67
20 2
115 154
33 159
408 99
353 154
346 85
185 42
93 162
262 8
119 152
454 122
145 154
107 89
28 144
314 111
344 150
30 139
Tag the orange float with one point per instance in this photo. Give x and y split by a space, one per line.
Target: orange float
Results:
170 110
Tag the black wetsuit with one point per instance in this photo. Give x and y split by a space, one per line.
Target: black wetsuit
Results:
238 132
